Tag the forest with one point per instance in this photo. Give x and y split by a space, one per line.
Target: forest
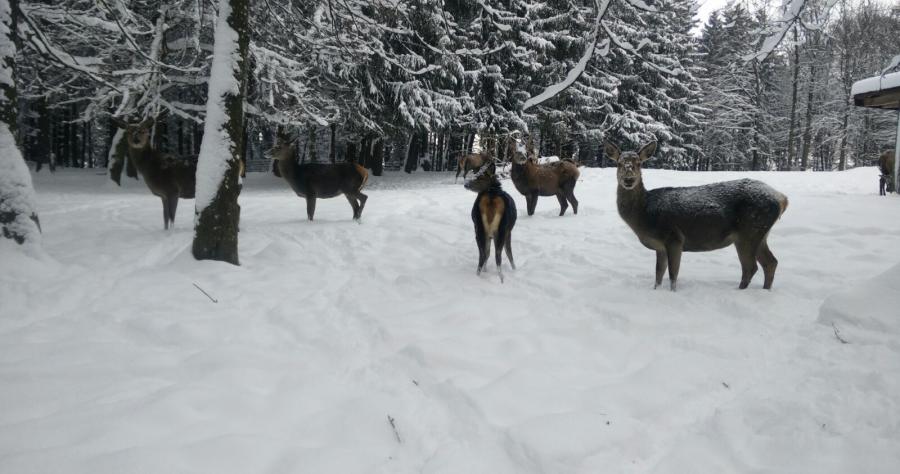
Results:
411 83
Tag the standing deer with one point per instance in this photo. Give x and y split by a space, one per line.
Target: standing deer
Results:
698 218
494 216
886 166
551 179
320 180
166 176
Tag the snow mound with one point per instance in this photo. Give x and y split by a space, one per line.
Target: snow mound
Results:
866 313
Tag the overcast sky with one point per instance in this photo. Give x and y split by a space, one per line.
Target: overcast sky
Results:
707 6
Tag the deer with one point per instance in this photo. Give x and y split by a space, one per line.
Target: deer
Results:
886 166
470 162
698 218
551 179
166 176
494 216
319 180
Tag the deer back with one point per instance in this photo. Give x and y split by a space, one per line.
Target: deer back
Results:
704 217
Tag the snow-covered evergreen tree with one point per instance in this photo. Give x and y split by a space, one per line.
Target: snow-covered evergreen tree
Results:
18 215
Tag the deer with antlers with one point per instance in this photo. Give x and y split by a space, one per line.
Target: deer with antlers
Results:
165 175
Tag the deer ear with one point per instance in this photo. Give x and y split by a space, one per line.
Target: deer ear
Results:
647 151
612 151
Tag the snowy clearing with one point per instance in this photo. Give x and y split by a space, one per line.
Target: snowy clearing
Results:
112 361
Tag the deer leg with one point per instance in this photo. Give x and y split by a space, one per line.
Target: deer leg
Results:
310 206
354 204
662 263
673 251
508 246
498 254
769 263
746 250
563 205
362 202
165 203
570 194
173 206
458 169
532 204
480 241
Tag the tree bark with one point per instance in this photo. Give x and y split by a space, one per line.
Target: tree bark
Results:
794 80
217 212
18 217
377 159
807 130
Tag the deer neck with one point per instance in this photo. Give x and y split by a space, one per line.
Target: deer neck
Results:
632 204
141 157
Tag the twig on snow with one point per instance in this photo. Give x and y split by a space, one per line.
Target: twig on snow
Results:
837 334
394 427
205 293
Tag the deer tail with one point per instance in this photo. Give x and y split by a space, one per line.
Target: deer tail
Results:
782 203
364 174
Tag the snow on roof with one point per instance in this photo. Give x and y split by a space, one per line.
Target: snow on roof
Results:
876 83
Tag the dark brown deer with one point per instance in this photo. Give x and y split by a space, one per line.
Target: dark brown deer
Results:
550 179
698 218
319 180
167 177
886 166
494 216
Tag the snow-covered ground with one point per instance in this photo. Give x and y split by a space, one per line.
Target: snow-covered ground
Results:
112 361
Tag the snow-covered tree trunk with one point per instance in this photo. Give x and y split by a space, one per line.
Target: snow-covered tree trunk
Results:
217 211
18 218
795 71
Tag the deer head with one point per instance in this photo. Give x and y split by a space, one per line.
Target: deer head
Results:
138 134
283 149
629 163
521 155
484 178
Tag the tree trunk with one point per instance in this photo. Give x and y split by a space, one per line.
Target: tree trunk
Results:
378 157
438 159
416 144
842 161
217 211
793 129
331 147
807 130
18 217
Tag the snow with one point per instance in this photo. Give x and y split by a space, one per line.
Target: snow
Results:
16 193
553 90
112 361
866 313
876 83
215 149
791 11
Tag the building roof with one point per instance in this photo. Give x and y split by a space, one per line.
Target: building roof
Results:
879 91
